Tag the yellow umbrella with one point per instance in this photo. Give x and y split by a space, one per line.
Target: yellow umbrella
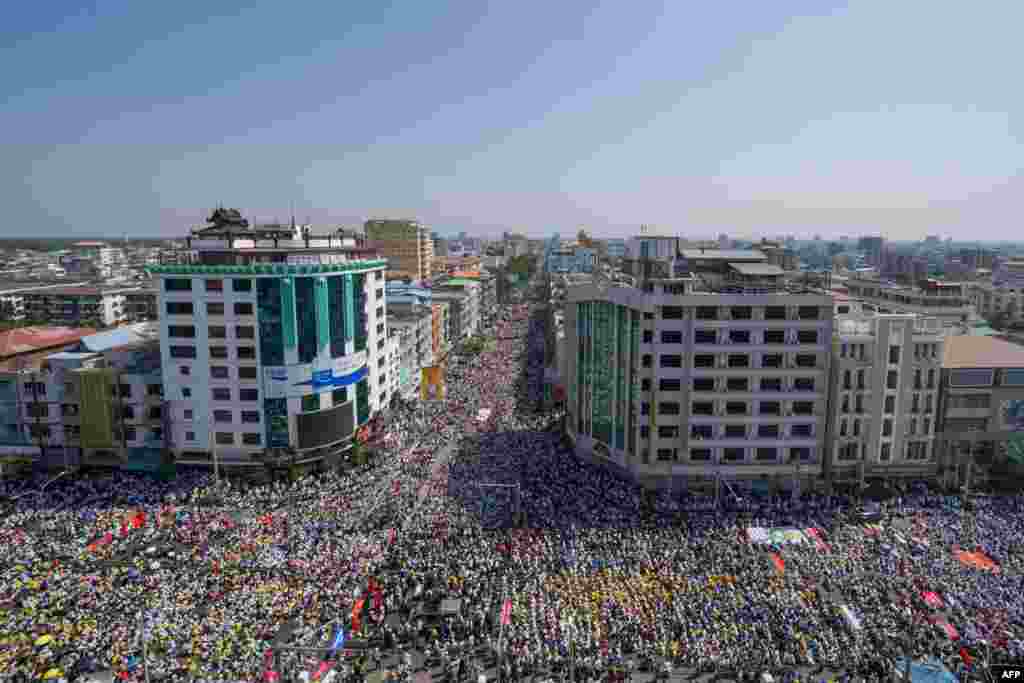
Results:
44 640
53 673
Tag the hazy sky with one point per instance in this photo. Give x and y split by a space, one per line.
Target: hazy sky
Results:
897 117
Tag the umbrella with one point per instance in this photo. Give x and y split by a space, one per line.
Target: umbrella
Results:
44 640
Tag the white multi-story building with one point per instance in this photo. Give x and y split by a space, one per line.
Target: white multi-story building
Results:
270 344
885 395
679 384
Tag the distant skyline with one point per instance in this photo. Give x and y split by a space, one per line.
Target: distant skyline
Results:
893 118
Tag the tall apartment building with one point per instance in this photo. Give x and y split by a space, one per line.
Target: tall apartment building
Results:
982 410
885 396
681 384
270 344
948 301
78 306
407 246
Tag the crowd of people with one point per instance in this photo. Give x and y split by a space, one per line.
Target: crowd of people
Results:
604 577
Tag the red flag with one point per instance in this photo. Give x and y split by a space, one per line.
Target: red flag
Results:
107 539
356 611
391 535
396 487
966 656
506 613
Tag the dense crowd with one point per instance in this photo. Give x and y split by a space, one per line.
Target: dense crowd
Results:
603 577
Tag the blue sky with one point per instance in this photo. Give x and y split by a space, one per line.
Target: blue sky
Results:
900 118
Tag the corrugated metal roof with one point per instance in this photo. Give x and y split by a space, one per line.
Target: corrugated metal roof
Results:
121 336
29 339
765 269
968 351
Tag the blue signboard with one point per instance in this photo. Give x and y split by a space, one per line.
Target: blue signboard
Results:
326 378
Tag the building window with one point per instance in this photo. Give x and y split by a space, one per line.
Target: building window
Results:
248 394
222 416
268 300
214 285
668 408
251 438
700 454
250 416
704 384
799 454
219 372
931 378
243 308
736 408
912 427
671 361
179 308
670 385
804 360
246 352
735 431
704 360
190 436
645 408
669 432
645 384
765 454
739 360
221 394
311 403
215 308
842 428
774 312
672 312
739 336
928 403
247 372
671 337
886 453
856 427
339 396
219 352
225 438
185 369
173 284
187 414
241 285
183 352
705 337
847 380
648 315
890 405
774 336
805 431
809 312
666 454
218 332
734 455
768 431
186 392
771 384
803 384
737 384
917 450
892 379
807 337
886 427
769 408
245 332
185 331
894 354
645 432
646 360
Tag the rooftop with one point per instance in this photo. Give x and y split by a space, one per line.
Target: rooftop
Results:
30 339
724 254
120 337
80 291
758 269
968 351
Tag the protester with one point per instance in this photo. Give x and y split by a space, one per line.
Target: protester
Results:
603 577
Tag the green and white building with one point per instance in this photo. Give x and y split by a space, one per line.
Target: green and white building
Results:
273 342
